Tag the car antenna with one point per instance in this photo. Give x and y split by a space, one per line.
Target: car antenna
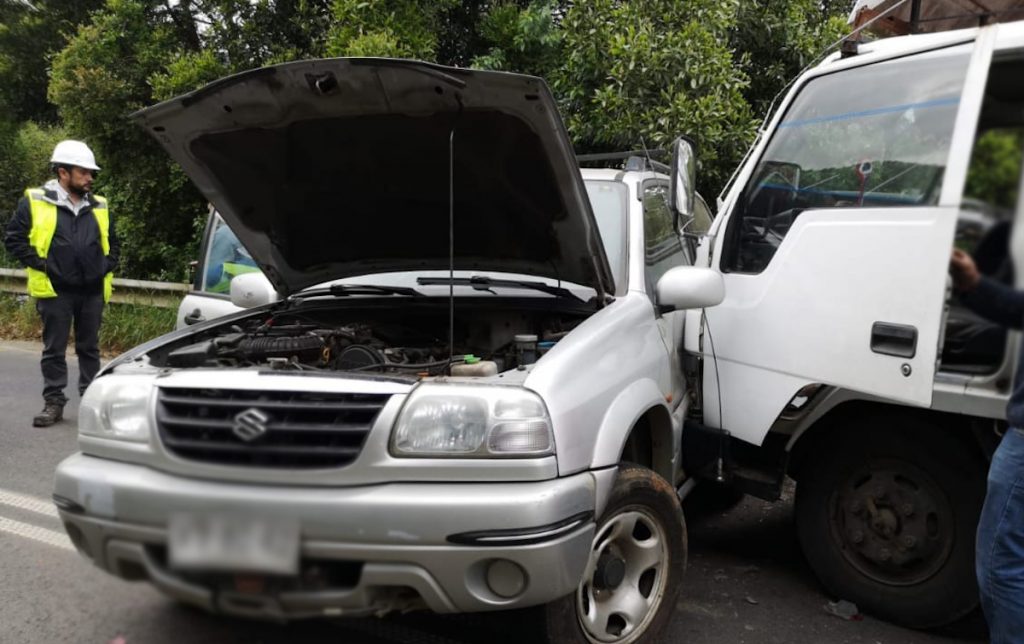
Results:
451 236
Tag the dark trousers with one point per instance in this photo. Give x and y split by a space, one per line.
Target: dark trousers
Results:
60 314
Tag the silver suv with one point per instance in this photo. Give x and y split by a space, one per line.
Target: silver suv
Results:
482 409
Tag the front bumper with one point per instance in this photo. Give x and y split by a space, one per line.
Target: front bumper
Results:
397 546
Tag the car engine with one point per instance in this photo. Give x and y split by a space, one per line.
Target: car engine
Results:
381 342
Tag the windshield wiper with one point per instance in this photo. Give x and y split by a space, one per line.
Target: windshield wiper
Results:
481 283
344 290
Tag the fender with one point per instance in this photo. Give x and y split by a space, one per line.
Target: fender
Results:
632 402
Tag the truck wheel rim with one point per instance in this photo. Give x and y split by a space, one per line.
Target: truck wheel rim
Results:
631 545
892 522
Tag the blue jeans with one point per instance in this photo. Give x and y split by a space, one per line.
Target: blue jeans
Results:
1000 545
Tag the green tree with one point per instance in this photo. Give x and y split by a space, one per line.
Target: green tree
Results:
775 40
30 34
396 28
994 173
245 35
635 73
521 39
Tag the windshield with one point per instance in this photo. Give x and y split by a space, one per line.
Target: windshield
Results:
608 200
868 137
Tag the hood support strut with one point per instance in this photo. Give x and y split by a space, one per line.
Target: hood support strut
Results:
451 234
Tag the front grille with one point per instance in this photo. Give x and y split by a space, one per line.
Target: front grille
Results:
300 429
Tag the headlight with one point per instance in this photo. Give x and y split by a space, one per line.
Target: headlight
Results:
116 407
473 421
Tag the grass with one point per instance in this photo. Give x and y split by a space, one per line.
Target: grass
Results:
124 325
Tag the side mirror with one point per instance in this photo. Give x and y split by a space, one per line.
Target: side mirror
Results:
689 287
684 178
249 290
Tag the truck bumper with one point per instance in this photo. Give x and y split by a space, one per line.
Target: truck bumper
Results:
458 547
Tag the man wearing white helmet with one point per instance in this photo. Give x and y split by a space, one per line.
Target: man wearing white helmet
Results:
64 235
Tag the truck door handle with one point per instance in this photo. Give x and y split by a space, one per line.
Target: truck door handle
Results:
894 339
195 317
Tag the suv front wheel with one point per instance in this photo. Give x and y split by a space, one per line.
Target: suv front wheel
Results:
635 569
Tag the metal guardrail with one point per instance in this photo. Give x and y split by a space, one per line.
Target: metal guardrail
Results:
126 291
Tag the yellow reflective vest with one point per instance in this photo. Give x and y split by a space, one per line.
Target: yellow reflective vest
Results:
44 225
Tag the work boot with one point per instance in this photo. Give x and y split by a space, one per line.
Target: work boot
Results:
52 412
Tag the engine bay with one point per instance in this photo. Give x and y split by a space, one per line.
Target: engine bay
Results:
385 340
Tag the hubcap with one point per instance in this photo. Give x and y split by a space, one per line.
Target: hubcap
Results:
892 522
625 577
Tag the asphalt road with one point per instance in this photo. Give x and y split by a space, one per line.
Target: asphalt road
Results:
746 580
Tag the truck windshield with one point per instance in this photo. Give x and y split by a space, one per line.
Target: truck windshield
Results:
608 200
867 137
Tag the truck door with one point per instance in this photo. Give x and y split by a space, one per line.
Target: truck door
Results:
837 242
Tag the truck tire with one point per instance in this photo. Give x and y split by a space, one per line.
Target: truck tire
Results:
635 571
886 515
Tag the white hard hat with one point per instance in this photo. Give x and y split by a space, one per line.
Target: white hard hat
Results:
74 153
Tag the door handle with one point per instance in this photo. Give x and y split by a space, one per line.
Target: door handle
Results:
195 317
894 339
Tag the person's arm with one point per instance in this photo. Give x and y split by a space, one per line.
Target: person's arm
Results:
996 302
985 296
16 239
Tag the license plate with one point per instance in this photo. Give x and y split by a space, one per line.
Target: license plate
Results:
233 544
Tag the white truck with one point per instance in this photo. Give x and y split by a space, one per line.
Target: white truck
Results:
839 356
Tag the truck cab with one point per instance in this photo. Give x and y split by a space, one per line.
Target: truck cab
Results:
840 355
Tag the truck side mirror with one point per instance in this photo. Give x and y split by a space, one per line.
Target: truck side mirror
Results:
689 287
250 290
684 179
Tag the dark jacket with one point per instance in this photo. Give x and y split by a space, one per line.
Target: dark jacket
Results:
75 262
1003 305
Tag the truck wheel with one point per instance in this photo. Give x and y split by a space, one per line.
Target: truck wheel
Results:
886 516
635 570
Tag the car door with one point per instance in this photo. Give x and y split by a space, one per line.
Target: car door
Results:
221 258
664 248
835 249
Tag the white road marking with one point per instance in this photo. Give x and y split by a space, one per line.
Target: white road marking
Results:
42 535
27 530
26 502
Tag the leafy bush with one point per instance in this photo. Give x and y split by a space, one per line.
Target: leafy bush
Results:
25 151
124 325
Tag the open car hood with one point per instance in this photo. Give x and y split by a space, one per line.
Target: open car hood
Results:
333 168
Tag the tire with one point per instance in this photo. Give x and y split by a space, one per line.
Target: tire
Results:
886 516
643 516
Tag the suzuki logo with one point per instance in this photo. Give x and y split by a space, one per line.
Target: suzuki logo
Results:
250 424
